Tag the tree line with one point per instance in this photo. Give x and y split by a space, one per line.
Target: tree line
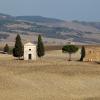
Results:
18 49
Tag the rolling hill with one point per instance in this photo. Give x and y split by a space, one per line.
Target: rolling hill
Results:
53 30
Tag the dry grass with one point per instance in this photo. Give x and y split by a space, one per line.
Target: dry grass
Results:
49 78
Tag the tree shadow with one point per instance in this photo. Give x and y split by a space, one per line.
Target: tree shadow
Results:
18 59
97 62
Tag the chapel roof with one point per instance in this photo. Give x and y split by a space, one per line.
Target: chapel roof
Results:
29 44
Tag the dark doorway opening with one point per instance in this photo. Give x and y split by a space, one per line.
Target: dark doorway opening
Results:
30 56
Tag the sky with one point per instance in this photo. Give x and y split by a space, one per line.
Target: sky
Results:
84 10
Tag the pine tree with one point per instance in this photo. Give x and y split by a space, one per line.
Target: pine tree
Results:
82 53
40 47
6 48
18 49
70 49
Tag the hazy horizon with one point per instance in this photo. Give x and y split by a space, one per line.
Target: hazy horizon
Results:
87 10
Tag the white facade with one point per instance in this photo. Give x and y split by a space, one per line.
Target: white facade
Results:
30 51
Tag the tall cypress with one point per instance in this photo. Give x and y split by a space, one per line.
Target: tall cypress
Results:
40 47
83 53
18 49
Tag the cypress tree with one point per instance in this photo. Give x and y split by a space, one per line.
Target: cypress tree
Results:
6 48
18 49
82 53
40 47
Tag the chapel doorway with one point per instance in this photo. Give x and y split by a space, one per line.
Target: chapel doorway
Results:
30 56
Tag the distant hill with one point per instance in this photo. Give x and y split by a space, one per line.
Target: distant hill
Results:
39 19
5 16
93 24
75 31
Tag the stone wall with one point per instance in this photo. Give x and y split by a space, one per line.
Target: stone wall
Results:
92 53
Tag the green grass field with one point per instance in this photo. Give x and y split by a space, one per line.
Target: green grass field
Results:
49 78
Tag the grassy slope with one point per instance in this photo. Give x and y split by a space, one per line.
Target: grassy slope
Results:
50 78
